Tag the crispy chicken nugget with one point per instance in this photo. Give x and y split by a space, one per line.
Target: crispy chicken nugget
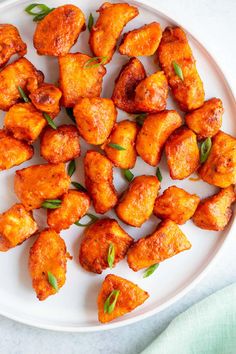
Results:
151 93
57 32
74 206
79 78
176 204
24 121
155 131
167 241
136 205
124 134
214 213
105 33
182 153
97 241
129 297
46 98
19 73
35 184
10 43
206 120
16 225
99 181
220 166
60 145
174 49
13 152
142 41
95 118
129 77
48 254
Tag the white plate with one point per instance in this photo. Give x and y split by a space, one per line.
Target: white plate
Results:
74 308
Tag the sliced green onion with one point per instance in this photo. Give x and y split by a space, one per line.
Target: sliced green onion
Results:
116 146
140 118
41 11
71 168
108 306
150 270
205 149
50 121
53 281
178 70
93 219
111 255
79 187
22 94
90 22
101 60
51 204
70 114
158 174
128 175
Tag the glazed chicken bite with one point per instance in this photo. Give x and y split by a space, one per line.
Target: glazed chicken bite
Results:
106 31
74 206
136 205
16 225
58 31
165 242
10 43
142 41
206 120
78 77
24 122
60 145
123 134
99 181
129 77
151 93
174 50
176 204
13 152
155 131
35 184
182 153
98 239
95 118
46 98
214 213
48 255
19 73
129 296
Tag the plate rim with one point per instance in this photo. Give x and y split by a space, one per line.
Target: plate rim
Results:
146 4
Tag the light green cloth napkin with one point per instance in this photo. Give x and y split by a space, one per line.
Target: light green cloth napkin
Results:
208 327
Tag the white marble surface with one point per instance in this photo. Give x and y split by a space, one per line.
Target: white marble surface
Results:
213 23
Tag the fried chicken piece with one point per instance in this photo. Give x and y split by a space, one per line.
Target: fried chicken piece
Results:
46 98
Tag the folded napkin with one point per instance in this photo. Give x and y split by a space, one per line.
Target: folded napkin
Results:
208 327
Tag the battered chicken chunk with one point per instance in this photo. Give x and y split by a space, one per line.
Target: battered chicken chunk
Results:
10 43
98 239
214 213
167 241
182 153
142 41
74 206
79 78
46 98
57 32
136 205
206 120
95 118
129 77
155 131
174 49
13 152
105 33
124 134
16 225
48 254
99 181
176 204
129 297
19 73
24 121
60 145
220 166
35 184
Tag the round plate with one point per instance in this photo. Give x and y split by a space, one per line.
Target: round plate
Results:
75 308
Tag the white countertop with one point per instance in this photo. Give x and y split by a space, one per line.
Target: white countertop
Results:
213 23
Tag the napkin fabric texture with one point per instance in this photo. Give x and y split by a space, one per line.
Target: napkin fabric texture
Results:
209 327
